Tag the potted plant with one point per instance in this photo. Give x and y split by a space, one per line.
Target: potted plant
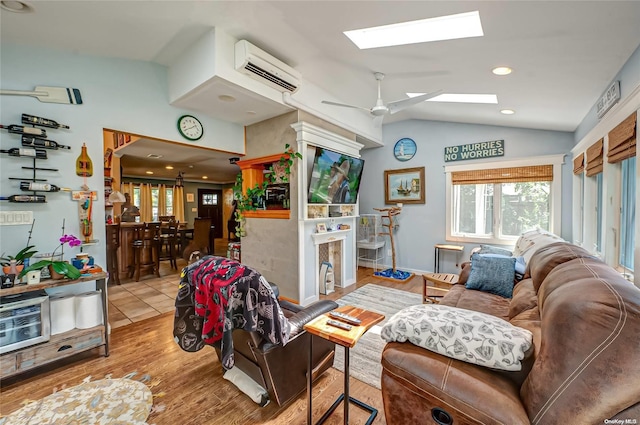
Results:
62 268
19 258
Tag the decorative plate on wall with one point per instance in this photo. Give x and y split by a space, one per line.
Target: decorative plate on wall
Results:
404 149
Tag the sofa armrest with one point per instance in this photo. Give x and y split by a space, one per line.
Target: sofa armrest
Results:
307 314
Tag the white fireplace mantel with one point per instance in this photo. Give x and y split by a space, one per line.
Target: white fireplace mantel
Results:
333 236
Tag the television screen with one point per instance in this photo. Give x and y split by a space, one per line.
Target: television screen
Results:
335 178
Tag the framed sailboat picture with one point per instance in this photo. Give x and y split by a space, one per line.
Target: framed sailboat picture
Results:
404 186
404 149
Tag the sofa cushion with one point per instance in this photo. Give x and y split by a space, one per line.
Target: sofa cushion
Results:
492 274
587 369
461 334
471 299
549 257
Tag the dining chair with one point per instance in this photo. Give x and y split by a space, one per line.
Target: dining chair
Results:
201 236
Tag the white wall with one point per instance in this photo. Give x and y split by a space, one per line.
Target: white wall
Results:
423 226
118 94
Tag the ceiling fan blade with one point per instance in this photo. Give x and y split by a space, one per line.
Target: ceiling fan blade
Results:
377 121
345 105
399 105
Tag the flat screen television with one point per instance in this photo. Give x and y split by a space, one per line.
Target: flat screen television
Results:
335 178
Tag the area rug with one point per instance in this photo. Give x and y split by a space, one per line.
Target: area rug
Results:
364 363
104 401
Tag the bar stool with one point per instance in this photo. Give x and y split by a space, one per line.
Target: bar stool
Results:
168 241
146 250
113 243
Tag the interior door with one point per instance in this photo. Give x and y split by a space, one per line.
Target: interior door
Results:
210 206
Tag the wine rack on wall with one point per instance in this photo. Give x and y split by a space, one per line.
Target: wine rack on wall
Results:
35 146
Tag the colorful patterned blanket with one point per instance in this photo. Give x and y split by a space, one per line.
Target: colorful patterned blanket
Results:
218 295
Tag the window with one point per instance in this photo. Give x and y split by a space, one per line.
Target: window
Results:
599 184
628 213
496 205
210 199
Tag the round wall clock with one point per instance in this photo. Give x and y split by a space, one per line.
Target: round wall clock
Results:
190 127
404 149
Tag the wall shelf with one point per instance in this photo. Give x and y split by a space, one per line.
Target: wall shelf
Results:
252 175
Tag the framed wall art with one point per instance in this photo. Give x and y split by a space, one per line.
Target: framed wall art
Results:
404 149
404 186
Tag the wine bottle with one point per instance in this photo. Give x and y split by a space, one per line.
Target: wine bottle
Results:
84 165
24 198
33 153
32 131
44 122
44 187
42 143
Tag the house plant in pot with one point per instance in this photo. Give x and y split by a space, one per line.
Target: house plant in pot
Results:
19 258
58 268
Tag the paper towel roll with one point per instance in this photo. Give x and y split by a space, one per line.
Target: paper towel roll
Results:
63 313
88 310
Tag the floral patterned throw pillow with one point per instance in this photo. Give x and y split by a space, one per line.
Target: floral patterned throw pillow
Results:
461 334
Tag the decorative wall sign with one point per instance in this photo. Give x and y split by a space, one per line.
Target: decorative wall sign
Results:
191 197
609 98
404 186
489 149
404 149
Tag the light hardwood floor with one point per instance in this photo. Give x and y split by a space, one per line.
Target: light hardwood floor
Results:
191 387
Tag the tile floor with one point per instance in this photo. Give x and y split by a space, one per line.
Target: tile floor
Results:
135 301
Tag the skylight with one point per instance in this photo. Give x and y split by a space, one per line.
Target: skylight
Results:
460 98
449 27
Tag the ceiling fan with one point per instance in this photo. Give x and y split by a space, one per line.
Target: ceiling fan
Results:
381 109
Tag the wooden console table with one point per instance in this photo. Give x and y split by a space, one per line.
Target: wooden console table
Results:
61 345
347 339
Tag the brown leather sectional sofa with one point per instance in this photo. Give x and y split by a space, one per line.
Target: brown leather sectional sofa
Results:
584 369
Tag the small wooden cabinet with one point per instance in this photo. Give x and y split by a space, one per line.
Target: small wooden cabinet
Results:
62 345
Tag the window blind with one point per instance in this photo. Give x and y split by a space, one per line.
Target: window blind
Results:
622 140
595 158
534 173
578 164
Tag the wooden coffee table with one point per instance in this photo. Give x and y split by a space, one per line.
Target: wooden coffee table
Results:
347 339
436 286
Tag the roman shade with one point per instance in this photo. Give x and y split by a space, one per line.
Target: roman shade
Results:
595 158
622 140
578 164
534 173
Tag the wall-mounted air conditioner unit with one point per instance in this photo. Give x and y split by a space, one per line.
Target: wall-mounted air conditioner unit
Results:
260 65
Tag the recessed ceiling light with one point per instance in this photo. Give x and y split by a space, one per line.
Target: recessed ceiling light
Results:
169 167
502 70
16 6
507 111
226 98
149 172
204 177
460 98
154 156
449 27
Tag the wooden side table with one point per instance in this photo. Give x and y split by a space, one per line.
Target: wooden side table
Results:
447 247
347 339
436 285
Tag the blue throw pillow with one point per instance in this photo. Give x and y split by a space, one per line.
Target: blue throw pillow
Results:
487 249
492 274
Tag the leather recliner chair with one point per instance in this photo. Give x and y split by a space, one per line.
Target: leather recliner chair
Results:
282 370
